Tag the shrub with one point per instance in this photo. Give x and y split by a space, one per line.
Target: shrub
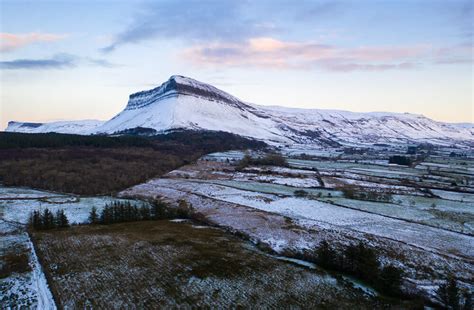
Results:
184 209
271 159
14 262
300 193
449 294
327 257
361 262
400 160
390 280
352 192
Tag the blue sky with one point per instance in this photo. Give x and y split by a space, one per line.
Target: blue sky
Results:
81 60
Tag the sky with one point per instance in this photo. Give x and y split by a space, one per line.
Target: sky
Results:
70 60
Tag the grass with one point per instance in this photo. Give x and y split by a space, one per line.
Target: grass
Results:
14 261
165 264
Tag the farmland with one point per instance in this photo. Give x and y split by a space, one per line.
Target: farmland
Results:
165 264
258 230
152 264
420 216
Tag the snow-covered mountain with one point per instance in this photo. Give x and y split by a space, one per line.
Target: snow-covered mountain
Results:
184 103
76 127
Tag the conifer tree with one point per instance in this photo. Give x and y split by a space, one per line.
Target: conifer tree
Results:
326 256
449 293
93 216
35 220
61 219
145 213
390 280
467 301
48 220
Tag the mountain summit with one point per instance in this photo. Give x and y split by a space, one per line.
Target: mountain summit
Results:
185 103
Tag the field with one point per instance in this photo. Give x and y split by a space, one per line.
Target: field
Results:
422 222
266 224
167 264
22 281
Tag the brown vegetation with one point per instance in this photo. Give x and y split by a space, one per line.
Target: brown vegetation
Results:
14 262
102 165
161 264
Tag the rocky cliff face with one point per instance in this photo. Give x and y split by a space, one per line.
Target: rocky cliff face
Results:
182 86
184 103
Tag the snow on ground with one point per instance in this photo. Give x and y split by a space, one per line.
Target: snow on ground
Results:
295 182
269 188
20 192
427 203
76 209
275 179
27 290
314 213
463 197
425 213
297 150
223 156
281 170
30 289
44 296
367 184
295 227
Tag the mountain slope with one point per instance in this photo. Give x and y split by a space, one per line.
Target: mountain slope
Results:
184 103
71 127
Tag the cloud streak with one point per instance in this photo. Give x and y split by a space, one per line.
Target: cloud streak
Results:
189 20
10 42
56 62
59 61
216 21
271 53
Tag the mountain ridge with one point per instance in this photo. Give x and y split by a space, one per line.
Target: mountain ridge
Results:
185 103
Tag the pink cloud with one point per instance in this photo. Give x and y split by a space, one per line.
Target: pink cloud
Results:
10 41
273 53
262 52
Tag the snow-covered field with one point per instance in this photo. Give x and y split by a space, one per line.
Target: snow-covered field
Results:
180 265
425 228
29 289
318 213
76 208
25 290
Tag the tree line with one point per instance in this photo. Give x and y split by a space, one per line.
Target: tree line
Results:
271 159
119 212
48 220
92 165
452 297
400 160
115 212
367 194
10 140
363 263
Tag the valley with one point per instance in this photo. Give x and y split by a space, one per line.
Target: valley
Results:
418 218
190 197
